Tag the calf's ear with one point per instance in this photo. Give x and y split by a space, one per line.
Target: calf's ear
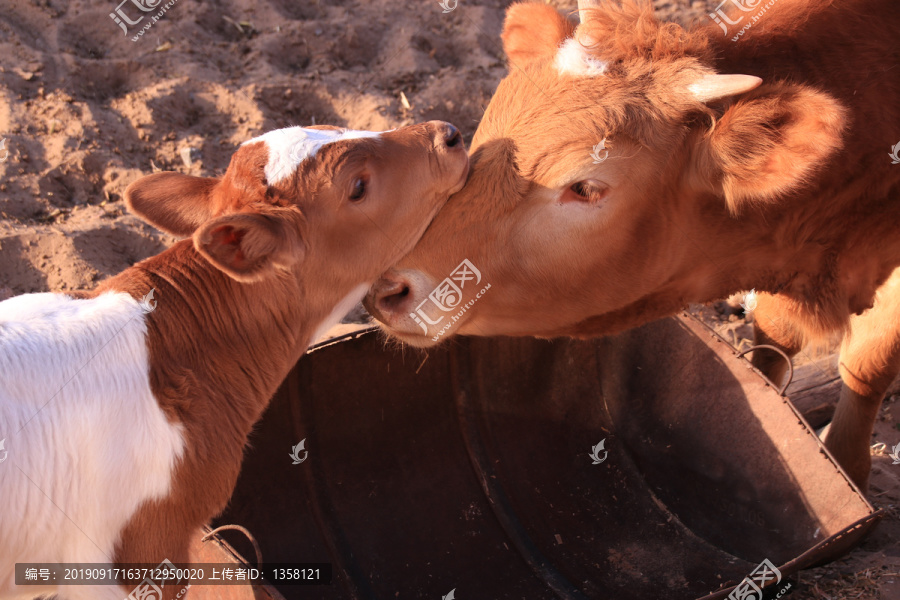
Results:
172 202
767 144
533 32
251 245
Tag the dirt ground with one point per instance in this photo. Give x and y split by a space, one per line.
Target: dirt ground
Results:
84 111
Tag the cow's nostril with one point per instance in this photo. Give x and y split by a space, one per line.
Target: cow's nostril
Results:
452 137
391 300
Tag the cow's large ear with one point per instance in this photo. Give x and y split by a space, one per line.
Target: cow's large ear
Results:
767 144
173 202
533 32
250 245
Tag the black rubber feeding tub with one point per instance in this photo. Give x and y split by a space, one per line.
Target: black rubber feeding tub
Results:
649 465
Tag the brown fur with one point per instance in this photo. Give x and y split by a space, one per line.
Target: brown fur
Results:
787 188
239 302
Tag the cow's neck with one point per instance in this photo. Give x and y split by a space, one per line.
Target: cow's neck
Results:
210 332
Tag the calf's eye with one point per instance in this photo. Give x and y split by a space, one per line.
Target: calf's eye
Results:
590 191
358 189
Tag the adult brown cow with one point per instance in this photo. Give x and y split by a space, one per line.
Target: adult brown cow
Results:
627 168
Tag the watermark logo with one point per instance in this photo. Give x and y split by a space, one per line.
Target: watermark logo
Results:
721 18
895 154
121 18
449 6
447 297
302 149
148 588
3 451
595 452
895 454
295 452
4 151
750 301
449 596
297 153
147 303
595 154
751 586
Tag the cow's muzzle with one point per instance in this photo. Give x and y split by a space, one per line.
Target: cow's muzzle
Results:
394 300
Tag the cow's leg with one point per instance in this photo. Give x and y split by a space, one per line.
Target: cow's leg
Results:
772 326
870 360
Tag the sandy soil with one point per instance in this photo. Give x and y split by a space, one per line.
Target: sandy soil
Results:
84 111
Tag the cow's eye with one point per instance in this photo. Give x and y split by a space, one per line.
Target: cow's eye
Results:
358 189
590 191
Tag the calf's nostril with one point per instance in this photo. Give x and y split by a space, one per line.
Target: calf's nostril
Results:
452 137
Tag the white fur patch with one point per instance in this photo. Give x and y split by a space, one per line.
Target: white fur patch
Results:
86 439
574 59
340 311
291 146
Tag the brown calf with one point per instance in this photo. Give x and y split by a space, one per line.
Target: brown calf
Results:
628 167
126 421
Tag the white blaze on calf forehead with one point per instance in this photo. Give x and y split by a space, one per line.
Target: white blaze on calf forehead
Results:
575 59
291 146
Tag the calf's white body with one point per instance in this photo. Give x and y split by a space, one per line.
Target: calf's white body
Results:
87 441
